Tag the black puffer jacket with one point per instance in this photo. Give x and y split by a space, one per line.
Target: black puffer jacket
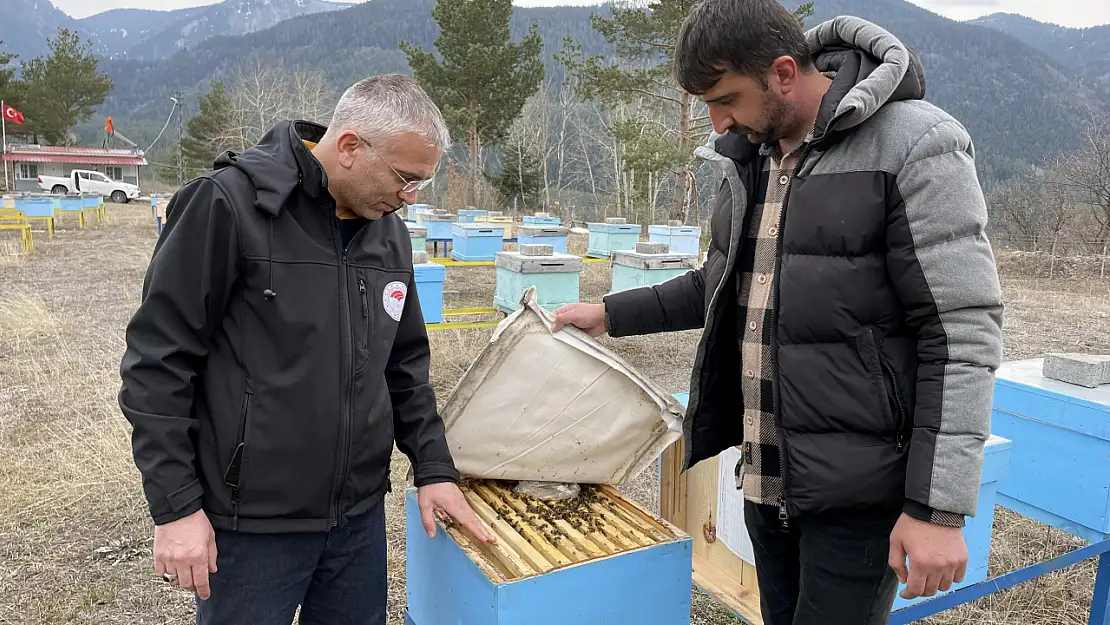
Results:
888 306
268 370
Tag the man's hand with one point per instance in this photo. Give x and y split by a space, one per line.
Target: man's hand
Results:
590 318
186 548
938 556
437 500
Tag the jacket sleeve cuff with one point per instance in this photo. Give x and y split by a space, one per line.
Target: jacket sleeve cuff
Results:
434 473
182 502
924 513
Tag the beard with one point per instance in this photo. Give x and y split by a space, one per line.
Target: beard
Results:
777 120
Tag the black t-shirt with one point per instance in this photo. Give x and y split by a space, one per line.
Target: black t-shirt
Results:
348 228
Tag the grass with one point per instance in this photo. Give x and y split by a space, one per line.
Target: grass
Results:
75 538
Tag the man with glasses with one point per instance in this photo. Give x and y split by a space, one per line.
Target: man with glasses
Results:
277 355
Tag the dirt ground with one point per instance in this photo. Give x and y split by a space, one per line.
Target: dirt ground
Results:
75 538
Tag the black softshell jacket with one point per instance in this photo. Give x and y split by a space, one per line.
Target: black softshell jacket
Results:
268 370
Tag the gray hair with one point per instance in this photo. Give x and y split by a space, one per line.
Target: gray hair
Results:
387 105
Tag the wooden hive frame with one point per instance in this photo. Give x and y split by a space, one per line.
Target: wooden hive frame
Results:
536 537
689 501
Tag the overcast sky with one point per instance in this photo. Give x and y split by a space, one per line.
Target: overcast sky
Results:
1063 12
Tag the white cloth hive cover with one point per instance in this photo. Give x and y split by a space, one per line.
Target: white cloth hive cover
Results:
555 407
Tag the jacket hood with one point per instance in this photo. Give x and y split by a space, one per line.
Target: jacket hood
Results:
279 163
870 68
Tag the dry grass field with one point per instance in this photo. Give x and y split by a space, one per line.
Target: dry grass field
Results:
75 539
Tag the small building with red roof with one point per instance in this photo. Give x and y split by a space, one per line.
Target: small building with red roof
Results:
26 162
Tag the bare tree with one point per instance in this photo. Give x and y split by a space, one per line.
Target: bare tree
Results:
1087 171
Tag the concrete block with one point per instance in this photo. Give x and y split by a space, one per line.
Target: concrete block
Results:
1087 370
616 220
536 249
419 258
651 247
674 222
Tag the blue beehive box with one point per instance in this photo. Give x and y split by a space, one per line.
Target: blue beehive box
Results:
1060 466
429 279
541 219
977 531
35 205
453 579
472 215
650 263
438 225
555 276
612 235
476 242
680 239
93 200
419 237
70 202
555 236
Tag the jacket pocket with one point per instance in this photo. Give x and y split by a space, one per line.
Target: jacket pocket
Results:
894 400
234 476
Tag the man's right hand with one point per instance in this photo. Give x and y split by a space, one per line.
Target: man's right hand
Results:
590 318
186 548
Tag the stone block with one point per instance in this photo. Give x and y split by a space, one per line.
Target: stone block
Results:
536 249
1087 370
616 220
419 258
651 247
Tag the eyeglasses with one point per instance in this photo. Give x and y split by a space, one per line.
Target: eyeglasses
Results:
409 185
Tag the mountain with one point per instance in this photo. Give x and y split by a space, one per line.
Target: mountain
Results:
142 34
26 26
117 31
1020 104
231 17
1086 50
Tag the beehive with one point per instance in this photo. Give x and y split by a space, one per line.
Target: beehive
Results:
35 205
418 235
555 236
650 263
680 239
1059 473
598 558
476 241
472 215
541 219
429 279
438 225
614 234
555 277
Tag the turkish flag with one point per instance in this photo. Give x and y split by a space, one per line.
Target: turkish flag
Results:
11 115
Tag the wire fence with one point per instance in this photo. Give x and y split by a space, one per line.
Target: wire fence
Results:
1053 257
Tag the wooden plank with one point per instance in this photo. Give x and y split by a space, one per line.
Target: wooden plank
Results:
514 542
459 312
672 485
633 537
469 325
479 556
534 537
726 590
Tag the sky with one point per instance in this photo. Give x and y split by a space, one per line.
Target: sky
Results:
1075 13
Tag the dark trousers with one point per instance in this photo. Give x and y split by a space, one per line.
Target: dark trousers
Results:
826 569
337 577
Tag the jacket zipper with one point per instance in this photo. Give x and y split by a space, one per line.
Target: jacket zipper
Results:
233 477
784 516
346 375
365 309
901 436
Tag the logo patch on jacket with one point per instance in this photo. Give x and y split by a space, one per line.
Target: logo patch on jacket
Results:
393 299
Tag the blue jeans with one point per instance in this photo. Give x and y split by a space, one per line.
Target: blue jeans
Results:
337 577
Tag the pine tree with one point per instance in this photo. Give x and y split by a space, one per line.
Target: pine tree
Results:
209 132
484 78
7 74
645 39
521 177
63 88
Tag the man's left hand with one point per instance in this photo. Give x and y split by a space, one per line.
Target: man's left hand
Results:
437 500
937 554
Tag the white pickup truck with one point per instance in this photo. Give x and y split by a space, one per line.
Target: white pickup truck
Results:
86 181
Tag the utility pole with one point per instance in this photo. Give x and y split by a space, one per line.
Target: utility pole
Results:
180 137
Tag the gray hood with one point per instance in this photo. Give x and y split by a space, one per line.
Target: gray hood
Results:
872 68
